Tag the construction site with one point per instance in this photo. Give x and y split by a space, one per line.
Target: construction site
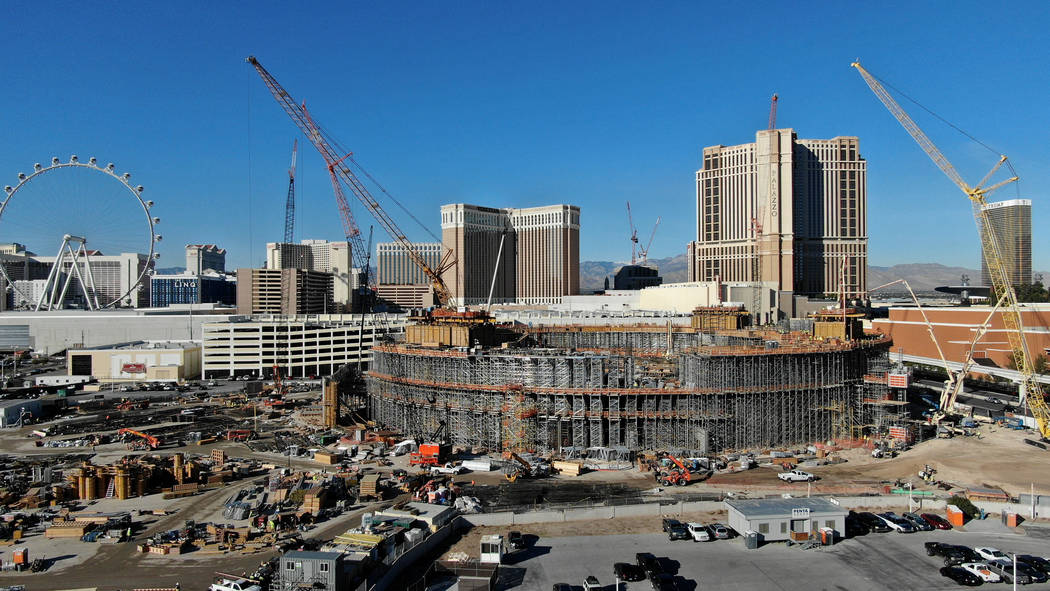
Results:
636 388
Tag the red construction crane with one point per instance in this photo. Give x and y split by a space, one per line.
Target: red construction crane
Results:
773 112
289 204
339 161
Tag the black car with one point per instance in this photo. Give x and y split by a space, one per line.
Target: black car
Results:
855 525
679 532
1036 562
961 576
1035 574
516 540
649 564
873 522
628 572
663 582
953 554
669 523
562 587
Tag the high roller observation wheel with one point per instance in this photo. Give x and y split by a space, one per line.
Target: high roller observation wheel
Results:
125 181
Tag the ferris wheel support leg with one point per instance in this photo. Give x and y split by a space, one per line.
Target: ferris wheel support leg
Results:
48 290
93 298
73 270
80 277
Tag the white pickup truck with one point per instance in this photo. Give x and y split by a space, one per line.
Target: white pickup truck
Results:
448 468
235 585
796 476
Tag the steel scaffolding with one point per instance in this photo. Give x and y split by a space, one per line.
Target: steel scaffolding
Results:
704 393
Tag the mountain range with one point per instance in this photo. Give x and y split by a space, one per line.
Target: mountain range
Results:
921 276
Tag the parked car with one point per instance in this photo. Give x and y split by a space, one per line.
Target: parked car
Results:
796 476
1005 569
649 564
679 532
699 532
960 576
719 531
855 525
989 553
874 522
663 582
982 571
591 584
562 587
516 540
936 521
917 522
1034 573
628 572
897 523
1036 561
953 554
669 523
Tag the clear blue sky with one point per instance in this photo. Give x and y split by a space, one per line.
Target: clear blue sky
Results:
521 104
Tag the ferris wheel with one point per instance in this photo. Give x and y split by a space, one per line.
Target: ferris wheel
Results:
103 230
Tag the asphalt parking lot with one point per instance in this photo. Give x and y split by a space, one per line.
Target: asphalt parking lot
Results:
874 561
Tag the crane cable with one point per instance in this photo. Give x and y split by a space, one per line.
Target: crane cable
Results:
1009 165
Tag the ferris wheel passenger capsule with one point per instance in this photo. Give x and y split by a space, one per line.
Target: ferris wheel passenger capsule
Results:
159 238
126 176
149 203
110 167
74 159
21 176
37 167
140 188
8 188
92 161
156 220
54 160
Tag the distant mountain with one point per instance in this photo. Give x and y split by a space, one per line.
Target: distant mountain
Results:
921 276
593 273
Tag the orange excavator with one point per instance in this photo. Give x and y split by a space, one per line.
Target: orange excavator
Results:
149 441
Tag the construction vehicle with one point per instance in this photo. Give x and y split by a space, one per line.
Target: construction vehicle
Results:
339 162
1030 391
523 469
673 472
148 441
240 435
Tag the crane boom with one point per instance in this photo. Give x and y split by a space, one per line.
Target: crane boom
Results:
1030 390
645 253
337 159
634 235
289 204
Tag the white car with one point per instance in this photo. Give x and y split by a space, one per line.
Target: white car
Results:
981 570
989 553
698 531
235 585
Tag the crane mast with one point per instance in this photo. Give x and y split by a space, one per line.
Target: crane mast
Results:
1011 310
337 158
634 235
289 204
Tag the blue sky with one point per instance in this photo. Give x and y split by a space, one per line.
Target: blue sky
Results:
500 104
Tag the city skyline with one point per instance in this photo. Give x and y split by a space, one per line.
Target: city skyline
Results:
483 116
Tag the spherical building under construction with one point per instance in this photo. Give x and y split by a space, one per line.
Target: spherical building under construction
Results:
635 387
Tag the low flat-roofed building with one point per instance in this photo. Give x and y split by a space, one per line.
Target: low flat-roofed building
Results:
785 519
435 516
166 361
313 570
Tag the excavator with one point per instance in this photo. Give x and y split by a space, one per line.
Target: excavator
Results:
148 441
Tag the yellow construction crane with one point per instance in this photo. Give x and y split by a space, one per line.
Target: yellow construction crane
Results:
1011 311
